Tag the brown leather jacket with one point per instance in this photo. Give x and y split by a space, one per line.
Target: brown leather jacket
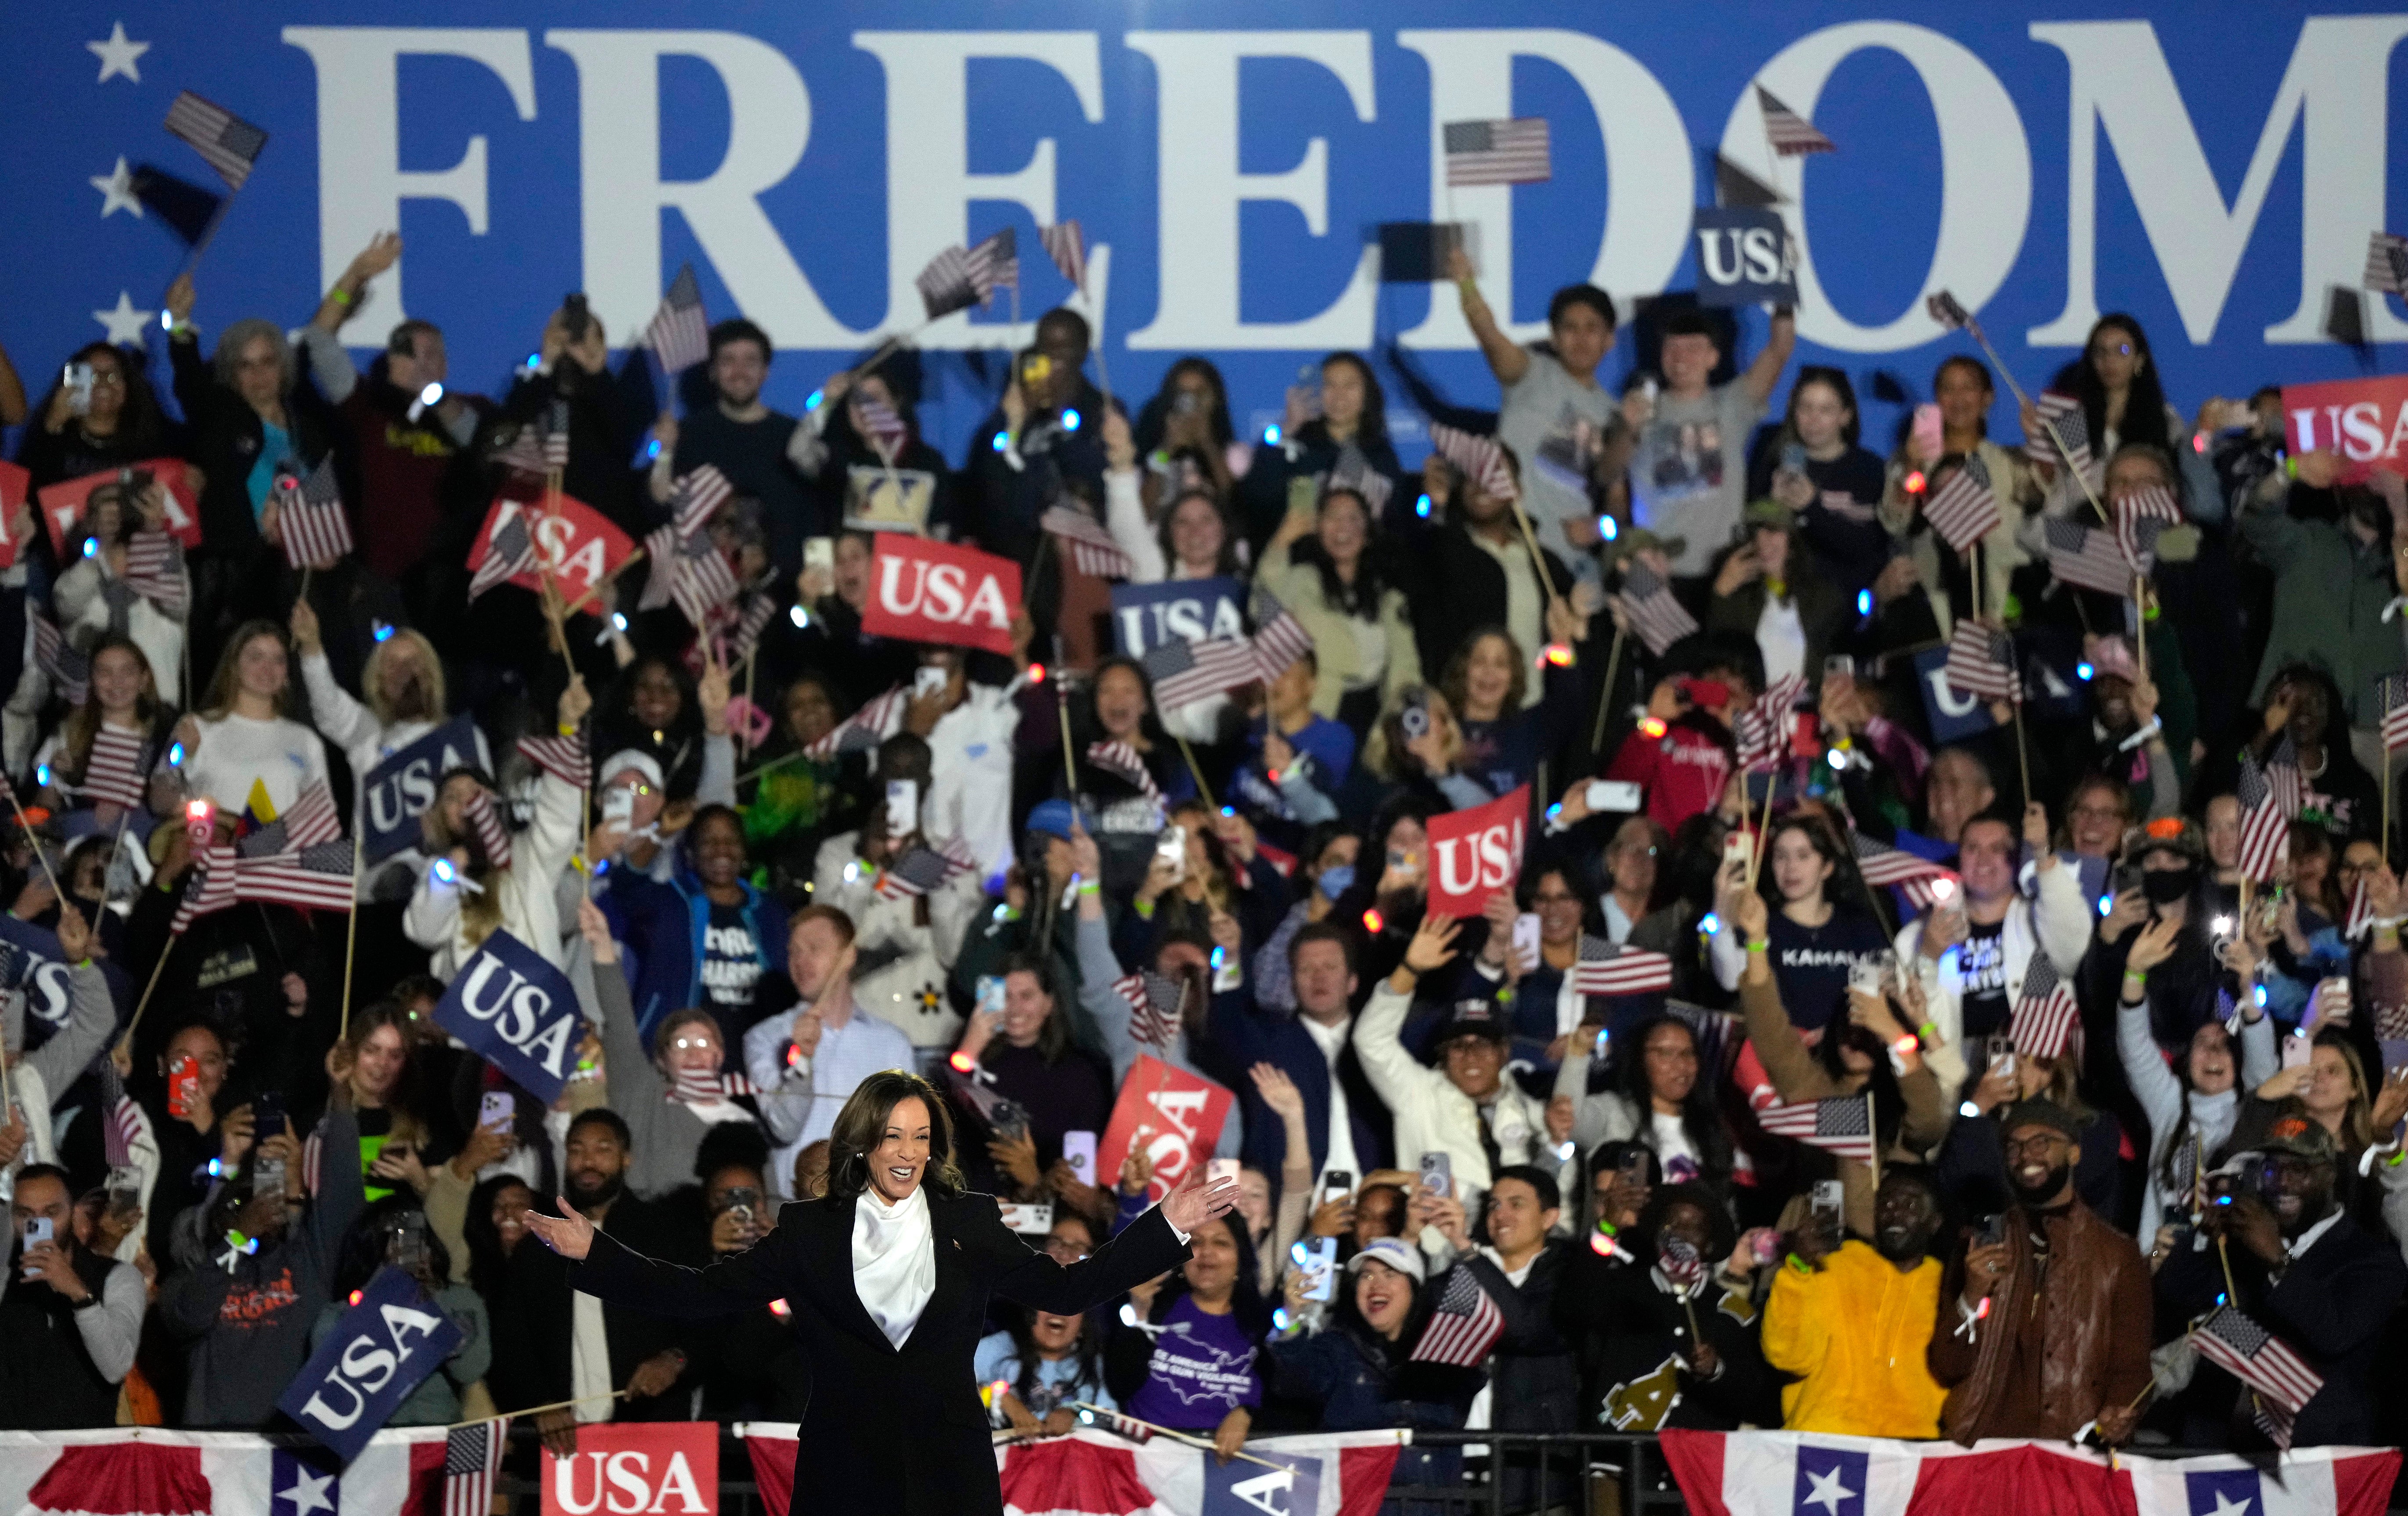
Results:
2090 1329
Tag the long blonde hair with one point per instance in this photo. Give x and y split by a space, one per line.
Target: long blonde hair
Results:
429 682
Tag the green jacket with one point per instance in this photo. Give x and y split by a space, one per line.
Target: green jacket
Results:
2329 591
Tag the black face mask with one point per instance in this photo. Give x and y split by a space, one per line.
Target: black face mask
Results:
2164 886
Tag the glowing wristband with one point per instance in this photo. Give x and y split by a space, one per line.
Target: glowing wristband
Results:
1761 944
1091 887
342 296
1906 1044
1928 1031
1144 910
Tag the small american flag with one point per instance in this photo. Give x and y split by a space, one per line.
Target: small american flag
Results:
880 427
112 771
945 284
1280 638
923 872
154 568
700 579
865 729
1184 672
2139 516
1606 968
1883 866
309 518
1647 601
2087 556
524 453
1462 1328
1982 661
68 667
2391 693
231 144
564 758
209 886
680 335
1683 1266
126 1126
1479 459
492 837
2268 795
2386 263
317 878
312 818
1964 510
2258 1359
1497 151
1761 732
1156 1004
994 264
508 552
1791 134
1091 548
1067 247
1947 311
2361 913
1843 1124
2047 1020
1356 472
2065 432
1121 761
700 496
472 1460
759 611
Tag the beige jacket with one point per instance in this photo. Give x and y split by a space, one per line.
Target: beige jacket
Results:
1337 656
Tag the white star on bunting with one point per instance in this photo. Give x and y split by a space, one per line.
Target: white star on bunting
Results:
117 55
125 325
117 191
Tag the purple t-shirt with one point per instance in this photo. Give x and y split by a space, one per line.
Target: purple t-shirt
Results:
1203 1366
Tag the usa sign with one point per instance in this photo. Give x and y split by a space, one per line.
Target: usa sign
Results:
1474 853
923 591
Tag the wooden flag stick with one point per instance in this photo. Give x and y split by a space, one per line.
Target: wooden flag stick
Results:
2383 837
1070 753
144 1004
1188 1439
2141 622
633 558
1195 773
1605 699
350 940
1538 561
2022 399
1872 1138
538 1410
2023 758
1764 829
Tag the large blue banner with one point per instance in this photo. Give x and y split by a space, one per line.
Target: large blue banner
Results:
2213 169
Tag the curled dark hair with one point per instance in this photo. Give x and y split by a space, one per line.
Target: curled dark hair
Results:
861 1125
1700 1117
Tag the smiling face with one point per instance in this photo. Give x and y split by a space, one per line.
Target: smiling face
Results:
1025 1008
1689 362
1963 398
901 1160
2209 1059
1475 1065
1488 673
108 391
1343 528
737 370
1055 1337
1558 909
378 1067
1630 861
118 680
1385 1296
719 851
1671 1058
260 668
512 1203
1196 533
2299 1191
655 699
2095 820
2040 1162
692 1048
1212 1267
1120 700
1985 856
2223 830
1904 1220
1518 1219
1799 871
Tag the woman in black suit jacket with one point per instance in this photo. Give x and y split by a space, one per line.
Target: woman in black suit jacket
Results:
888 1279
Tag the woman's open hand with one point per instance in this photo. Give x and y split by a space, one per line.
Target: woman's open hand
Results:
569 1234
1191 1202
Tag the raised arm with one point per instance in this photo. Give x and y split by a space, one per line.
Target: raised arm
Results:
1395 1073
1506 358
91 1014
1765 372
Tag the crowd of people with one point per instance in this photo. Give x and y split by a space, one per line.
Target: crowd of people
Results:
2087 1051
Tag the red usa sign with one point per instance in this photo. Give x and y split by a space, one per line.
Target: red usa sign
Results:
2365 421
1474 853
933 592
62 504
576 541
14 483
654 1468
1174 1117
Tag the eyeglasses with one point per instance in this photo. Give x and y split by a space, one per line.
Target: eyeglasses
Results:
2039 1146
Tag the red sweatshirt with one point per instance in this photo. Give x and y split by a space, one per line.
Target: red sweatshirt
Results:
1683 771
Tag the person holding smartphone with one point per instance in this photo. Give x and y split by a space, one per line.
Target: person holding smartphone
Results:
1853 1322
1813 465
71 1316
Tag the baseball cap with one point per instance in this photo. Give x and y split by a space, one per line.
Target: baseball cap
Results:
1052 818
1391 1251
2046 1113
2296 1136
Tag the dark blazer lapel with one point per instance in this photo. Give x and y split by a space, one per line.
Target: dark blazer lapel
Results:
836 1265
